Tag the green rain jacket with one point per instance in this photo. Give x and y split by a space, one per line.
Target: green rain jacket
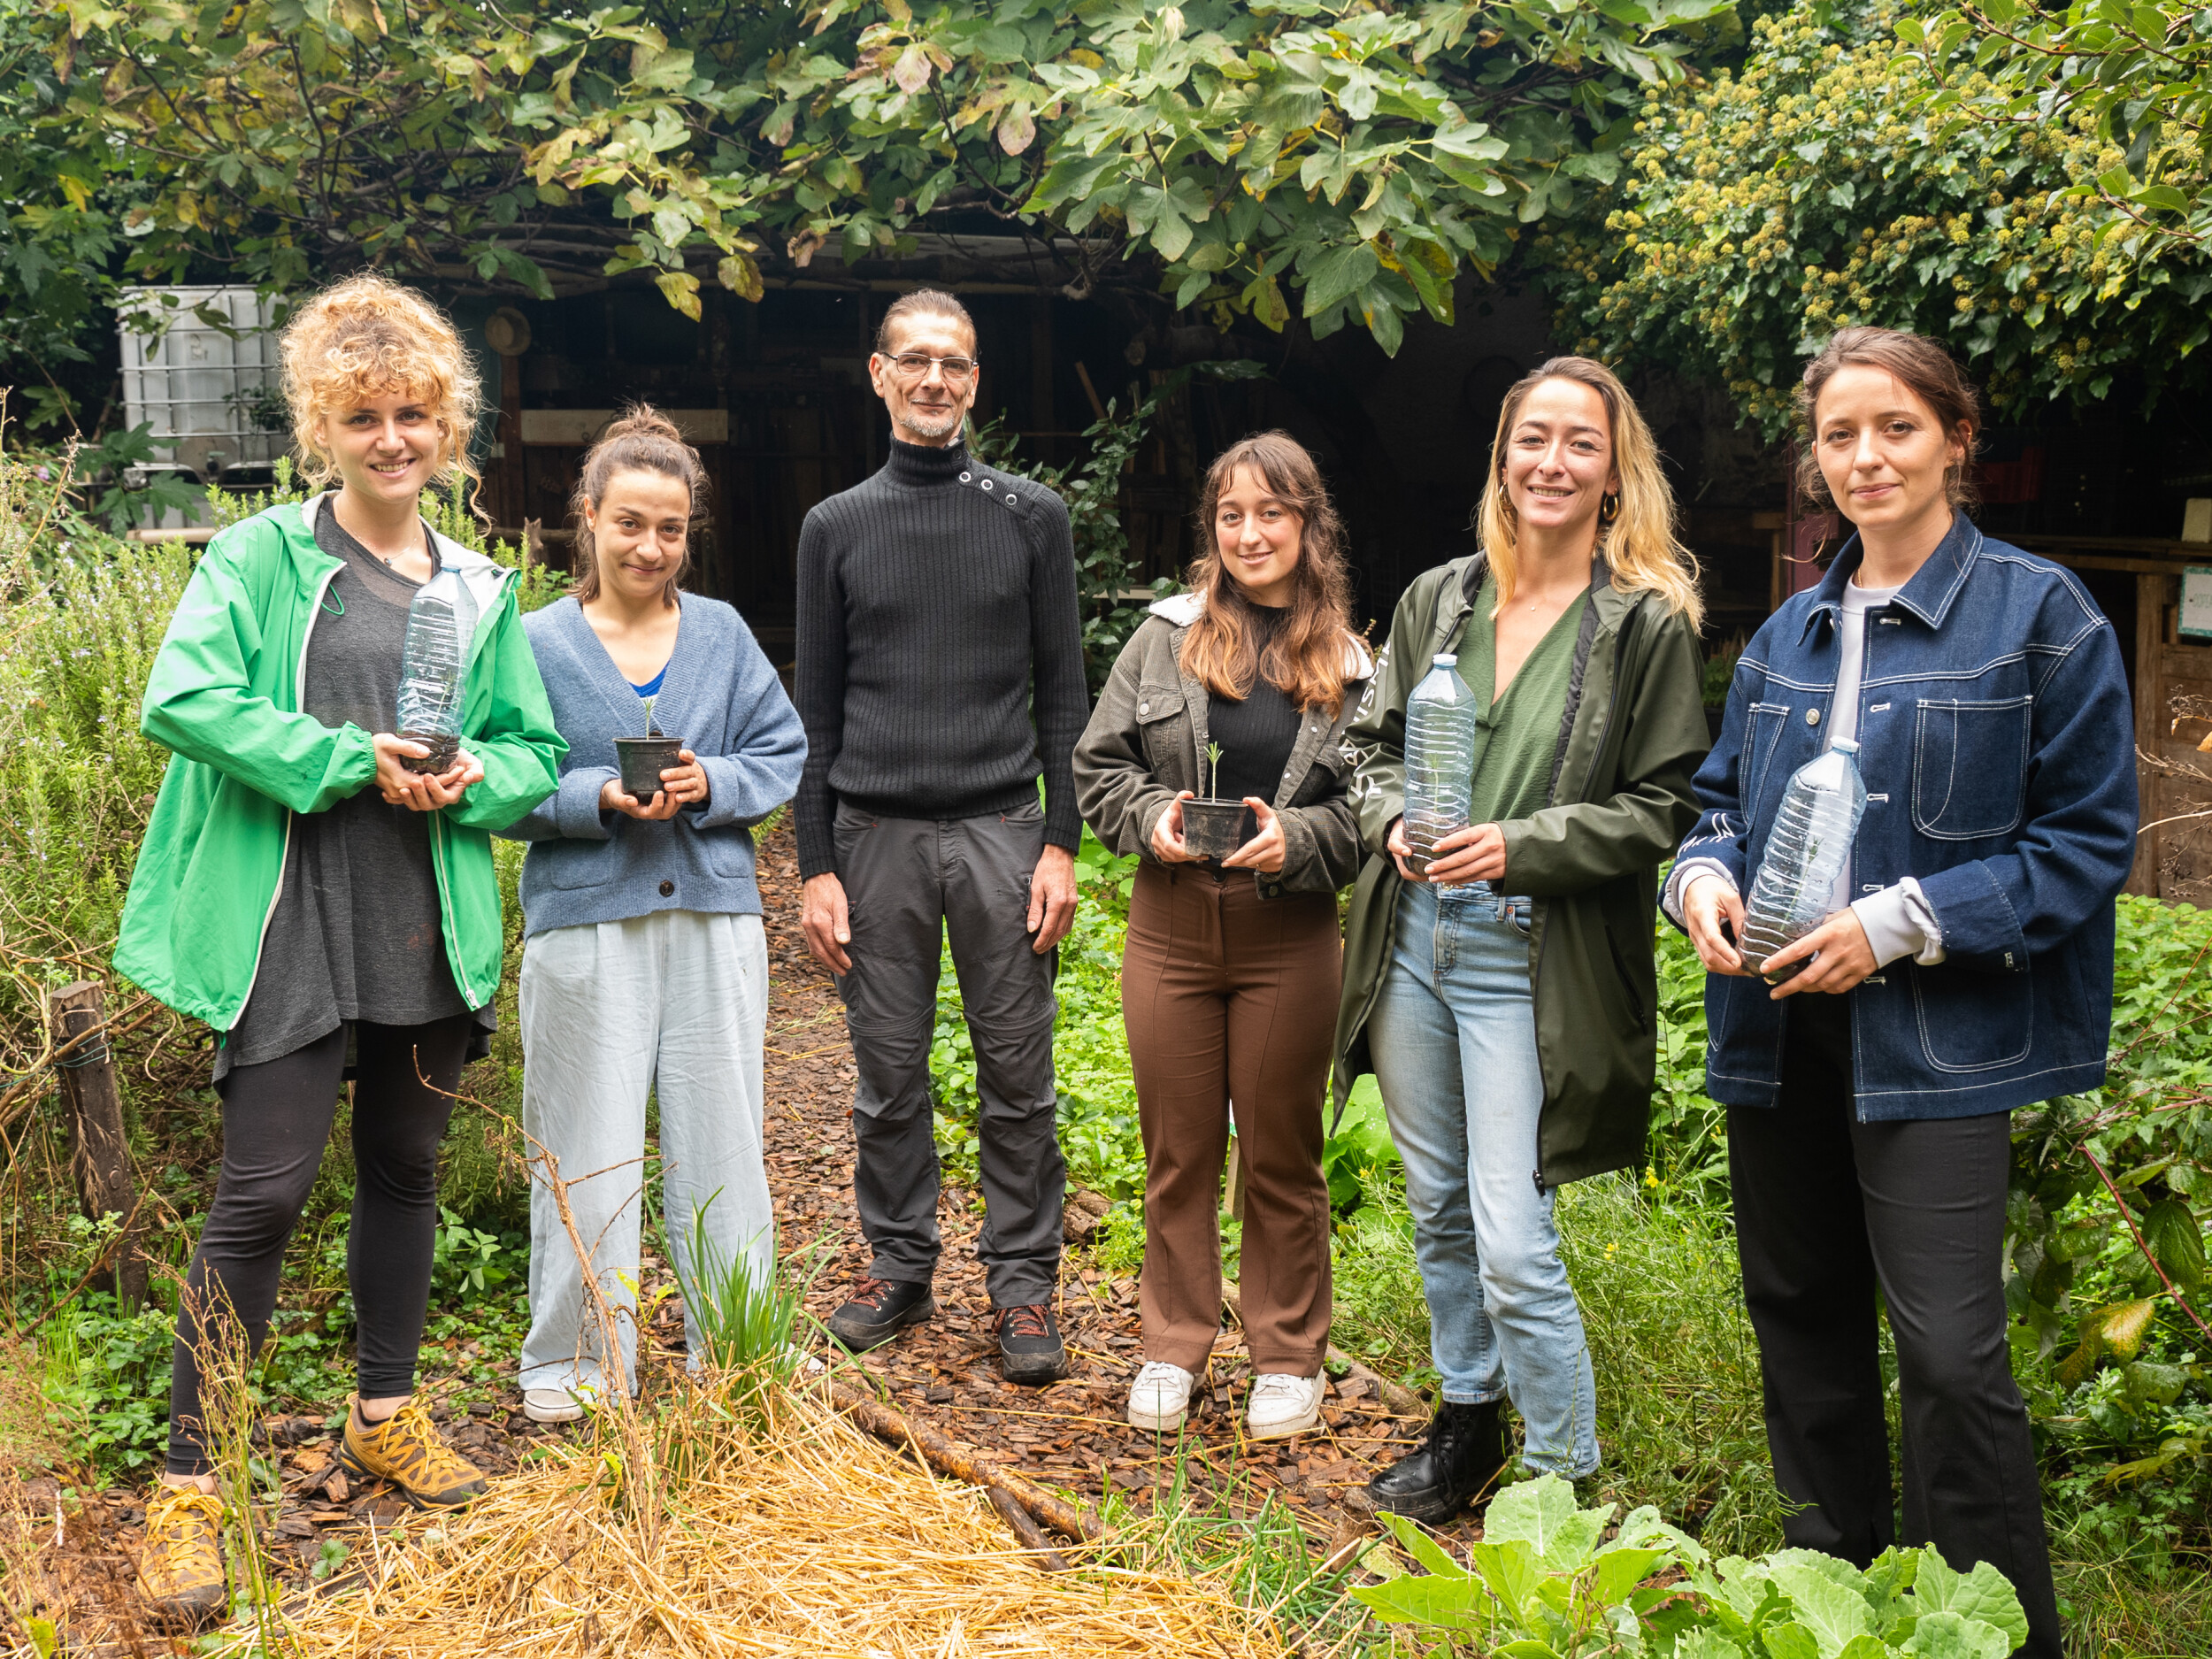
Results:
1630 740
224 697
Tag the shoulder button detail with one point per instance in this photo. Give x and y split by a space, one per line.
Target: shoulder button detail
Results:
967 477
986 483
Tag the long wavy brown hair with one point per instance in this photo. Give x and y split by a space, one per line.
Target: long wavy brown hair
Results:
1305 660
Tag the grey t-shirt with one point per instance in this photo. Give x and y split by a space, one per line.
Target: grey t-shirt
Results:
358 931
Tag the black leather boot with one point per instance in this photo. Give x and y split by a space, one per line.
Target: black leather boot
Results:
1462 1453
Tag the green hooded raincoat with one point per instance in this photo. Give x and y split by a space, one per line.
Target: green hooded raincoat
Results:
1630 739
224 696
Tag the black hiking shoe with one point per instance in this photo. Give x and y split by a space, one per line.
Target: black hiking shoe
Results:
1029 1347
878 1310
1462 1453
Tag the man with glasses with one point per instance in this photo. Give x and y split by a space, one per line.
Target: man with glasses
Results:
936 611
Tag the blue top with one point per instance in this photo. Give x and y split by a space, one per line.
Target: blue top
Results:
651 687
1996 739
587 864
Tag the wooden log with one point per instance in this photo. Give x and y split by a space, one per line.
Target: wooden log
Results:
99 1154
943 1456
1401 1401
1032 1535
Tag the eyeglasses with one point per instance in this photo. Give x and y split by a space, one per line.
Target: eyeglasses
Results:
912 365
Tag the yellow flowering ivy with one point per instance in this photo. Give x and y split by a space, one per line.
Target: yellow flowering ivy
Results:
1763 210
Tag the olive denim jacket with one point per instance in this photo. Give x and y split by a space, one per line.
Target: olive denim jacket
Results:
1148 732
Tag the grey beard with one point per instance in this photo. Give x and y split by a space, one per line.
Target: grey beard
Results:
935 431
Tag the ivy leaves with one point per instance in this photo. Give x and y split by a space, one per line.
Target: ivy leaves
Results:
1815 189
2137 76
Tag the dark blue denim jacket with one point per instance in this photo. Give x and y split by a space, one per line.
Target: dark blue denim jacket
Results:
1998 744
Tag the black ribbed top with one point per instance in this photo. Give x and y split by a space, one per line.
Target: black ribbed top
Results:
937 607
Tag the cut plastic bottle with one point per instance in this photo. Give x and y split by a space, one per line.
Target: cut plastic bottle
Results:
434 667
1807 852
1440 725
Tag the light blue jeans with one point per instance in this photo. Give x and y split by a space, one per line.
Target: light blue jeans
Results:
1455 1009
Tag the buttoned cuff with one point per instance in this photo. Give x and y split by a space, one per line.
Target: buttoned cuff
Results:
1900 922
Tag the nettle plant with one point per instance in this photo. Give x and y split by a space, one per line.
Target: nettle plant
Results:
1545 1582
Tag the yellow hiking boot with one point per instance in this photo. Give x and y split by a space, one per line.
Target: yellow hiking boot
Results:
405 1450
180 1566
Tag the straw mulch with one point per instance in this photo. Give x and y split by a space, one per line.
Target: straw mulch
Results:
813 1541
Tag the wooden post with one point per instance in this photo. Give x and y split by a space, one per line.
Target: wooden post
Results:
99 1154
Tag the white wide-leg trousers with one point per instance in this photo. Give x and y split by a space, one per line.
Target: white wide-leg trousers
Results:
675 1000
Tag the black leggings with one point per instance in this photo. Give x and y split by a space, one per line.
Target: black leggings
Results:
276 1119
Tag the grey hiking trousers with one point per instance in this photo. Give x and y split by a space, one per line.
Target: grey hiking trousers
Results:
906 879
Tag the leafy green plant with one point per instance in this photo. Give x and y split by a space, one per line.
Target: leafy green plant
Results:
1359 1148
1246 159
1545 1583
1816 188
748 1320
107 1372
2138 78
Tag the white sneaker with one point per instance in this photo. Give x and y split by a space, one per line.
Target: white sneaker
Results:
551 1405
1283 1405
1159 1400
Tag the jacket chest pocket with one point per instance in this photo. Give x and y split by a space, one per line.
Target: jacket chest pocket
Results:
1763 725
1969 767
1166 733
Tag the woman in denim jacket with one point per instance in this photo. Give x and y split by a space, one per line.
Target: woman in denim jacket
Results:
1965 969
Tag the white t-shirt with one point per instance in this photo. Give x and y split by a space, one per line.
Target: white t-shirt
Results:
1899 920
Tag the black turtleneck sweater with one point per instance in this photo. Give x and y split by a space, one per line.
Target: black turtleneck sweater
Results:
936 608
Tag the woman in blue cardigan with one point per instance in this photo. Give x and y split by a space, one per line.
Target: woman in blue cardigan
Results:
644 962
1965 967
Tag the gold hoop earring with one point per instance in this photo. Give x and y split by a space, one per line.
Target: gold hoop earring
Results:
1610 507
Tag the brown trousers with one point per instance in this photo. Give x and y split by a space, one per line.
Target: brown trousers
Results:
1230 997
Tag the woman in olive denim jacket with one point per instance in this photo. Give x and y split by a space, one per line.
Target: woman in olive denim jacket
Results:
1232 970
1965 967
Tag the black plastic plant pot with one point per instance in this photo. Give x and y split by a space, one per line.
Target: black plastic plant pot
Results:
643 759
1213 829
443 747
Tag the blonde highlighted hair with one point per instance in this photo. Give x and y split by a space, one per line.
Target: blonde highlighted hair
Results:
1306 659
1638 536
366 337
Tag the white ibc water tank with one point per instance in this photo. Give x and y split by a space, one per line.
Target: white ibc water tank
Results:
212 393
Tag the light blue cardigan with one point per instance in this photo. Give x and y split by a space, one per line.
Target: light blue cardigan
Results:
722 697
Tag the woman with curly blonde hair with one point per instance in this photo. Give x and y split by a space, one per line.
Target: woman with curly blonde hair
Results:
1501 988
310 892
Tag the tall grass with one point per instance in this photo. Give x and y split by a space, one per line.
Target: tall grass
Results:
1679 1410
81 616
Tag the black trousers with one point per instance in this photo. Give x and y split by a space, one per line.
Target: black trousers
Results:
1829 1210
276 1119
908 882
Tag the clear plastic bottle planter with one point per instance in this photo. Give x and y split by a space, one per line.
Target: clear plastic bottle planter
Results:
1441 725
434 667
643 759
1807 852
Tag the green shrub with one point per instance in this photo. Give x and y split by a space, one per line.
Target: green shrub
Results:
1545 1583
